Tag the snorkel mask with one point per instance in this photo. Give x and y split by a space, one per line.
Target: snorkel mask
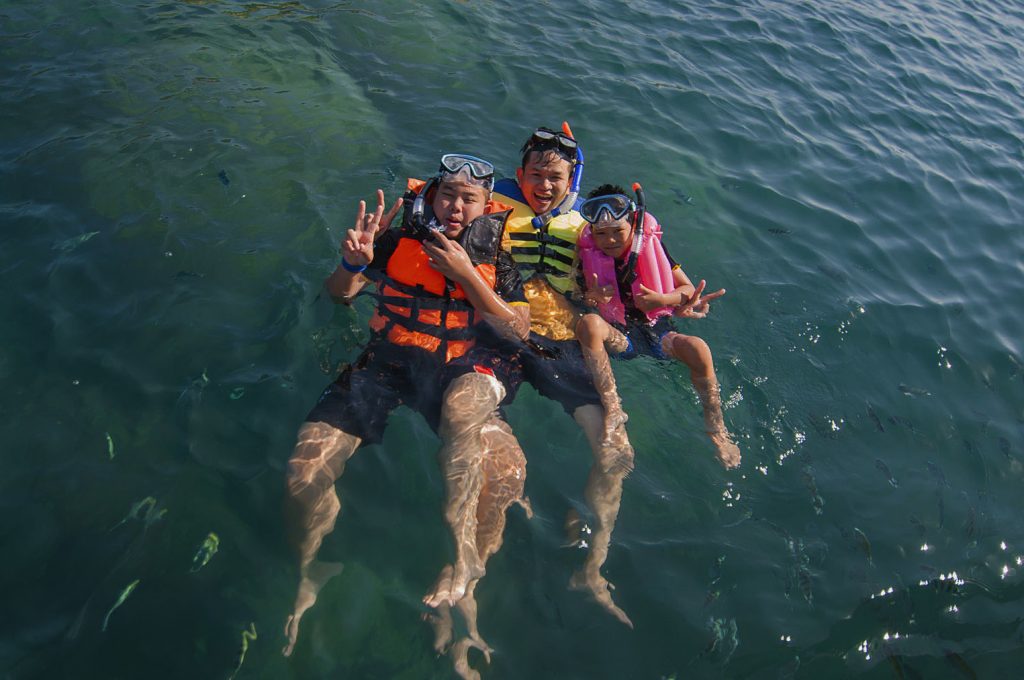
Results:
454 166
566 146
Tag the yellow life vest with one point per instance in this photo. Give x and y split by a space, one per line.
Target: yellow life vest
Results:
546 259
549 252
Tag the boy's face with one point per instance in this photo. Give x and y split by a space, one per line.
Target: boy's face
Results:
613 237
457 203
544 180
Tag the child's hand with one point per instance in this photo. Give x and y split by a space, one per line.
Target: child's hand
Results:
597 295
697 307
648 299
448 257
357 248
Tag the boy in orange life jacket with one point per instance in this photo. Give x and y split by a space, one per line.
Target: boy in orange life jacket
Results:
636 286
438 273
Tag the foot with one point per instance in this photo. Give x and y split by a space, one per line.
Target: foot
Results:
460 656
441 621
726 450
316 575
452 583
599 589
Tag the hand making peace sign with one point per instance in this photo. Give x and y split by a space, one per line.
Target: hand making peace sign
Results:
357 249
697 307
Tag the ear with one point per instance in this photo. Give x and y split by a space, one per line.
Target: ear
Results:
519 175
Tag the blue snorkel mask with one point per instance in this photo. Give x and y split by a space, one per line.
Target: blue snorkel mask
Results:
563 143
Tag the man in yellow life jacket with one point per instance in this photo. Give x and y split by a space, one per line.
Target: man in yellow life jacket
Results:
438 274
541 235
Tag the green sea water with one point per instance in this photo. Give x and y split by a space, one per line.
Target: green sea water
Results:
175 178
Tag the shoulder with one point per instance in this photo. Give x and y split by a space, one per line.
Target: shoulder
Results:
509 188
482 239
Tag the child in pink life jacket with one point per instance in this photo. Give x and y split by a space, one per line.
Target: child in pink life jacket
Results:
636 288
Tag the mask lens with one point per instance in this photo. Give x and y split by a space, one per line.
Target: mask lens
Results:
546 139
611 207
472 167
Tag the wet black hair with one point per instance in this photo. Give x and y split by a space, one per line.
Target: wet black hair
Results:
607 190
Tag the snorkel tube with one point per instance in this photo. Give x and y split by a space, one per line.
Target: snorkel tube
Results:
541 221
638 233
422 227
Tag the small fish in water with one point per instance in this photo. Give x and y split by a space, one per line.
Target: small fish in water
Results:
779 231
120 601
223 177
716 569
816 500
144 510
206 552
969 523
938 474
942 510
803 578
1004 446
110 446
958 662
195 388
247 637
863 542
921 529
903 422
72 243
880 464
911 391
874 419
683 197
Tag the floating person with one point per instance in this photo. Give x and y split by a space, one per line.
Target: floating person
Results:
438 274
541 236
637 288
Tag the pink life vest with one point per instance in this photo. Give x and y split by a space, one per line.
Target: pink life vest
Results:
652 267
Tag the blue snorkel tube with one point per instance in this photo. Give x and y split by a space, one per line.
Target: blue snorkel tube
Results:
541 221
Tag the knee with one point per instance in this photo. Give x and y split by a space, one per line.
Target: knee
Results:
469 400
691 350
316 463
590 328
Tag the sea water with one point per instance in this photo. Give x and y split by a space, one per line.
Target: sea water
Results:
176 177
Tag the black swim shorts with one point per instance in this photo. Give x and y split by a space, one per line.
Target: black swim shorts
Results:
555 368
386 376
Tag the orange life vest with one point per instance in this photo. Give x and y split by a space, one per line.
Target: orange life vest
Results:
417 305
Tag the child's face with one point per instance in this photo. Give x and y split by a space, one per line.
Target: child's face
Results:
544 180
456 204
613 237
